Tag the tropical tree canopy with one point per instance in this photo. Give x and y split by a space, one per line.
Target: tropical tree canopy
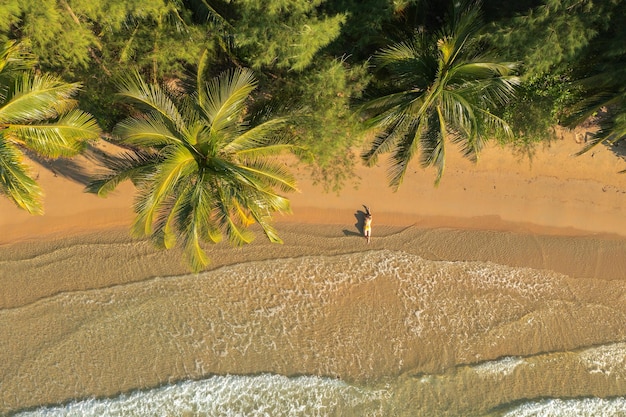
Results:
601 86
442 88
37 113
200 163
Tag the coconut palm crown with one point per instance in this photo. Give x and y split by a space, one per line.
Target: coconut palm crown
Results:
200 164
606 93
443 90
37 114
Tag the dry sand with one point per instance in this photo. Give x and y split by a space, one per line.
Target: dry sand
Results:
554 192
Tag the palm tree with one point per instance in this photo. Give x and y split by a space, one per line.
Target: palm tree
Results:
37 113
606 93
200 164
442 90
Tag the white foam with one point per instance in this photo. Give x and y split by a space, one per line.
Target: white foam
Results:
607 359
499 368
263 395
586 407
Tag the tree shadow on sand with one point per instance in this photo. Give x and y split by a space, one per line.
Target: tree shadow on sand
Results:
80 168
359 215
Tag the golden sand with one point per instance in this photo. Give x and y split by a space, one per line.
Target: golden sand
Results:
66 276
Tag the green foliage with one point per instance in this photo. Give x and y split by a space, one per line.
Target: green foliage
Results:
552 34
441 90
318 101
51 33
162 40
283 34
75 37
200 163
37 113
601 86
9 15
537 109
365 26
312 58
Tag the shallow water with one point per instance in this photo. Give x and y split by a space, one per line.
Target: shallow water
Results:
373 333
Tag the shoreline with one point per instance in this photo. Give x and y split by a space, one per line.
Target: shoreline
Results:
94 309
503 259
108 258
552 193
549 213
552 197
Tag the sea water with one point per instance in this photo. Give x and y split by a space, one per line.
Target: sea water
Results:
273 395
378 333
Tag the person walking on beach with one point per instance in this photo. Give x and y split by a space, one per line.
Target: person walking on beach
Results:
367 227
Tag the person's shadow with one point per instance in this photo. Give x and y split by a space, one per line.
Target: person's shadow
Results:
359 215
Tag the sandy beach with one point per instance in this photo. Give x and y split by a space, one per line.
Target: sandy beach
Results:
551 192
556 213
518 210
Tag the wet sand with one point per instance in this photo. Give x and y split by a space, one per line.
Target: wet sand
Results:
376 317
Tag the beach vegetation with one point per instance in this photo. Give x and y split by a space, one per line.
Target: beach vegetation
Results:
38 114
318 61
601 87
201 162
437 89
572 54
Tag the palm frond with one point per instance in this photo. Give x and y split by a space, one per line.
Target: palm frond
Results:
256 137
244 218
491 91
264 221
46 141
202 96
396 53
382 143
433 145
385 106
14 60
153 97
267 150
464 21
611 131
226 209
195 255
36 97
480 70
66 137
407 145
584 109
459 110
198 205
177 163
270 201
127 166
197 222
163 235
271 174
494 123
594 141
227 95
79 125
15 180
147 131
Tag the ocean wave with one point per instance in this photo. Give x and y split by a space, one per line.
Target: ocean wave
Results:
262 395
585 407
368 317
